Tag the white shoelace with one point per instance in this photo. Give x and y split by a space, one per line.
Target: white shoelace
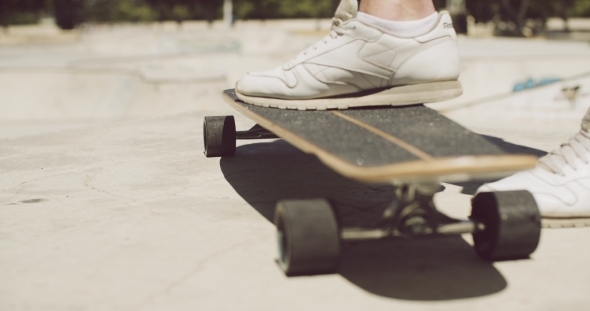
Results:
577 147
335 31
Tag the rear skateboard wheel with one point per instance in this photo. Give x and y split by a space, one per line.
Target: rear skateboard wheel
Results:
512 224
308 237
219 136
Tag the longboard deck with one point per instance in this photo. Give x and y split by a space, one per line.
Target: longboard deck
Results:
385 144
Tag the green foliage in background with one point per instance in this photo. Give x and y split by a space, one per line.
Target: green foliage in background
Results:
581 8
306 8
268 9
119 11
69 13
14 12
180 10
513 17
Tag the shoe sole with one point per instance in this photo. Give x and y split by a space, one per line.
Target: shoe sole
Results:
565 222
396 96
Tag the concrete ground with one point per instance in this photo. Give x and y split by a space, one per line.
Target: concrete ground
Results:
108 203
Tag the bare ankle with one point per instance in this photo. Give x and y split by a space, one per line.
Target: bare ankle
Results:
398 10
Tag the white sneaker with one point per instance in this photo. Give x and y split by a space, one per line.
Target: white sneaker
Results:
359 64
560 183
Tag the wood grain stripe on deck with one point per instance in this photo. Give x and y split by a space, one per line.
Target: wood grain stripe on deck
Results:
411 149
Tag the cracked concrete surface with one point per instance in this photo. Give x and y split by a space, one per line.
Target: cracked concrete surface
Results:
110 204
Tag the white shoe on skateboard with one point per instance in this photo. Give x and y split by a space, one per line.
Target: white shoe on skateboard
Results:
361 64
560 183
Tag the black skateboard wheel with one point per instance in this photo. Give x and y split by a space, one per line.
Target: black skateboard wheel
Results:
219 136
512 224
308 237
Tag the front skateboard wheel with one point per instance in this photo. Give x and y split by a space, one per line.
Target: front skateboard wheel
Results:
308 237
512 224
219 136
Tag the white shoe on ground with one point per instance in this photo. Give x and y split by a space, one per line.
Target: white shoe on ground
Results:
361 64
560 183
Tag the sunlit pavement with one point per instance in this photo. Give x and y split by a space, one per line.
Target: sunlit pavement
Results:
108 203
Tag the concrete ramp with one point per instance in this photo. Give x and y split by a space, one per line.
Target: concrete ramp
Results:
563 101
65 93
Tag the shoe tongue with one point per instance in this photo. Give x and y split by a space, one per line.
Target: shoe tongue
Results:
347 9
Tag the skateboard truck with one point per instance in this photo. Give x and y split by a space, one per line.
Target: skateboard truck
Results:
255 132
413 214
219 135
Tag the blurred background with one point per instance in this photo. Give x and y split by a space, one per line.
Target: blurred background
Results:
509 17
86 59
108 203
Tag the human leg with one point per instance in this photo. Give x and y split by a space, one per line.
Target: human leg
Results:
398 10
365 61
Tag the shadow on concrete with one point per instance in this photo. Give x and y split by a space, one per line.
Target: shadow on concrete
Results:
419 269
440 268
470 187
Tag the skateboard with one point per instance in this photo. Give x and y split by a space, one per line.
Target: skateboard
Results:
415 148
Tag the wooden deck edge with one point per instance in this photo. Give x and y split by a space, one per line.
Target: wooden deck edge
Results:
438 170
